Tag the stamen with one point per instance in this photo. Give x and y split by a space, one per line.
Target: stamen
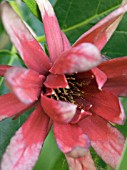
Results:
69 93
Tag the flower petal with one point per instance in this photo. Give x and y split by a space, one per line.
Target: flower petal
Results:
84 163
10 106
52 29
59 111
25 83
105 104
3 69
106 140
99 76
65 42
56 81
102 31
77 59
29 49
116 71
71 140
25 146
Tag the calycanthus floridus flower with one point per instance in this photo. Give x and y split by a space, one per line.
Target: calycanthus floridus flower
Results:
74 89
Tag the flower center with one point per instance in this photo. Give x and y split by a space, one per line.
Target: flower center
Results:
73 93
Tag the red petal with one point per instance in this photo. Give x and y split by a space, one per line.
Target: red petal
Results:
25 83
80 114
10 106
116 71
77 59
56 81
99 76
3 69
25 146
59 111
66 42
85 163
102 31
29 49
106 140
71 140
106 105
52 29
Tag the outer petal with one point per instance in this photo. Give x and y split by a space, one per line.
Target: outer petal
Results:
106 140
77 59
59 111
25 146
85 163
116 71
52 29
10 106
25 83
56 81
29 49
71 140
102 31
3 69
105 104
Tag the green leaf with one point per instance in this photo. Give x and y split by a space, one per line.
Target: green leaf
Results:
123 162
33 7
76 17
51 157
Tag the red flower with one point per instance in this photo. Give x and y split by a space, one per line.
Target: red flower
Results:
67 89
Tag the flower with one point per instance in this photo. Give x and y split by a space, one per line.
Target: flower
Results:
72 89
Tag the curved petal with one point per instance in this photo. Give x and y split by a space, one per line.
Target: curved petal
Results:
3 69
106 105
99 76
56 81
106 140
84 163
102 31
116 71
80 114
117 85
71 140
10 106
77 59
24 148
52 29
25 83
29 49
59 111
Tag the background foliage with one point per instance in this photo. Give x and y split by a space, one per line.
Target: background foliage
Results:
75 17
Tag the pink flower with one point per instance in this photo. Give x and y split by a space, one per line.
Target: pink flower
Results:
71 89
